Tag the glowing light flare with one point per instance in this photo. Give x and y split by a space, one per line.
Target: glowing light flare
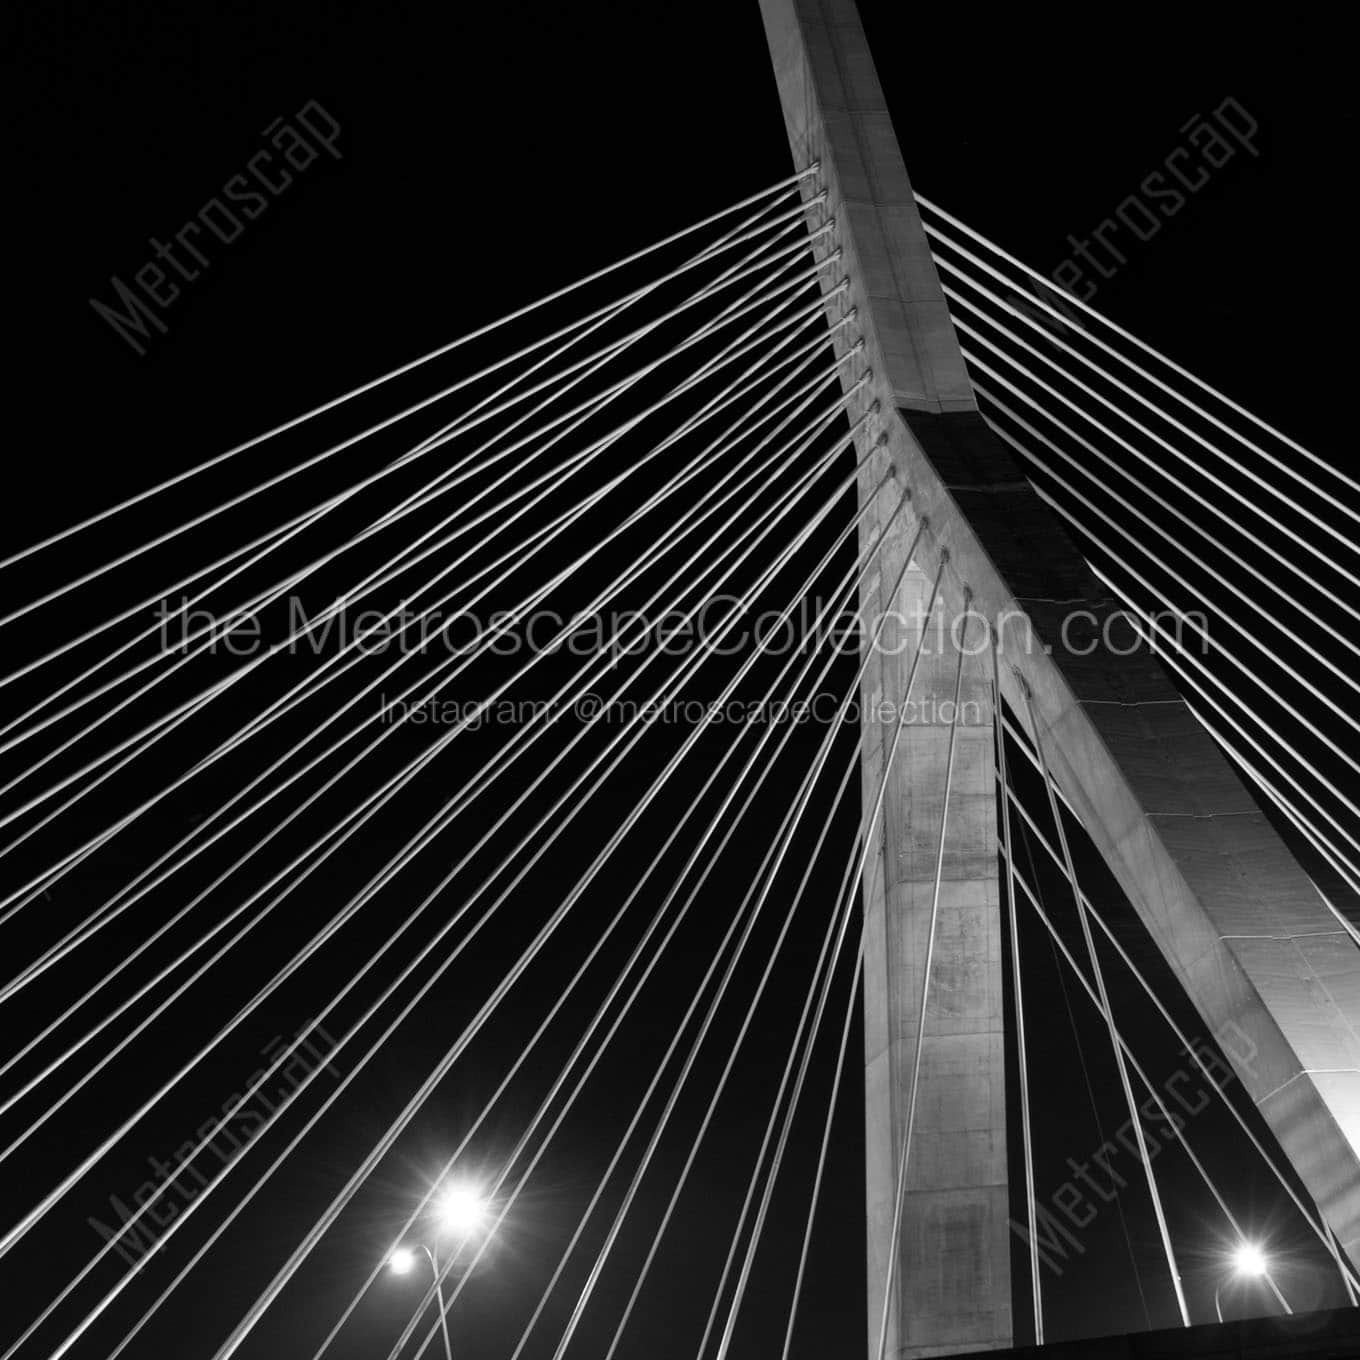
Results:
462 1209
1250 1260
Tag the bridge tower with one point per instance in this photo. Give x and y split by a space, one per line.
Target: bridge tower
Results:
1239 922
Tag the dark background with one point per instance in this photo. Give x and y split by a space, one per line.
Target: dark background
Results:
488 157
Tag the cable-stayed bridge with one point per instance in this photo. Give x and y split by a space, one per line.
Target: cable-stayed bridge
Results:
790 622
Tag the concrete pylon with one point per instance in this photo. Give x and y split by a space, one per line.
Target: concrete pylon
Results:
1272 972
951 1283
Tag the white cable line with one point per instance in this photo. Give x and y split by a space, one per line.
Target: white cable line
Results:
856 982
324 508
1345 1278
282 705
105 913
1022 741
423 680
193 705
710 864
1288 808
393 987
1043 467
420 449
73 584
787 500
853 579
588 409
272 541
900 1194
835 933
707 456
688 514
1176 662
866 848
1279 465
332 1212
1098 973
1172 661
1181 1036
1226 690
445 433
659 1068
1345 868
779 188
412 502
49 876
1172 1121
786 1126
1273 553
671 1051
1084 529
655 499
869 821
1017 987
174 968
865 852
1255 506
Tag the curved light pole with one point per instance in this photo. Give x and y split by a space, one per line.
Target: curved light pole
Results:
462 1209
1248 1262
401 1262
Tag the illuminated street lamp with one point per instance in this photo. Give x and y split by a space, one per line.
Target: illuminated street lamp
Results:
461 1209
401 1262
1248 1263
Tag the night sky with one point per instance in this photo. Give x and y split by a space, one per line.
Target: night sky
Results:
483 158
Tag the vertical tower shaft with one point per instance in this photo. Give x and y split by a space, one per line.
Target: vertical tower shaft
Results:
951 1277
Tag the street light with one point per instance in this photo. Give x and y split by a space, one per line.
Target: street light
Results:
461 1209
1248 1263
401 1262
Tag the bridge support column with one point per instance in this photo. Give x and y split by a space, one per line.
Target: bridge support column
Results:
952 1278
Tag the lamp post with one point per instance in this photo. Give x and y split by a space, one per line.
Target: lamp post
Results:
1248 1263
402 1261
460 1209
